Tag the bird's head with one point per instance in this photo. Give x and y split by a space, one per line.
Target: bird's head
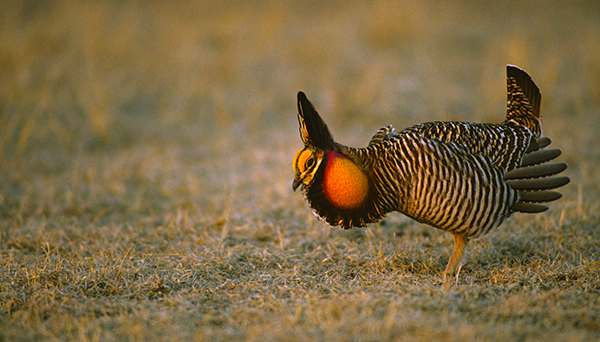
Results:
320 167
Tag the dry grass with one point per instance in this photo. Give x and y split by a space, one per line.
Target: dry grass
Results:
145 182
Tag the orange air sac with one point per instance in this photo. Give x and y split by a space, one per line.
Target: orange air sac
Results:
345 185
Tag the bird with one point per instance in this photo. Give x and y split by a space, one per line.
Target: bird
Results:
461 177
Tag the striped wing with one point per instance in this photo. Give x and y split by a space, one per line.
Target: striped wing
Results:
442 185
504 144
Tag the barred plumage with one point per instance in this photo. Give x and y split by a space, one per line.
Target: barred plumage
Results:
465 178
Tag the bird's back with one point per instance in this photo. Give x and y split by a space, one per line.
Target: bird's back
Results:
442 184
451 175
504 144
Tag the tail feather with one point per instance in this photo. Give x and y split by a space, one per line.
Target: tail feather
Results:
540 156
538 143
539 196
529 207
536 177
536 171
528 87
524 100
538 183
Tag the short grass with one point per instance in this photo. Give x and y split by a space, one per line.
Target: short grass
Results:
145 171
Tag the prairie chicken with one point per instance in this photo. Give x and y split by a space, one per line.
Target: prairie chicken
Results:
465 178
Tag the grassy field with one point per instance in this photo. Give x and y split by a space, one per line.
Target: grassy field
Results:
145 170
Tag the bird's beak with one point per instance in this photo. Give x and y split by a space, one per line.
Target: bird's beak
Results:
296 184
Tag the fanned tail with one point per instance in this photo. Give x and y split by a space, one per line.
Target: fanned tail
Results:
524 100
536 177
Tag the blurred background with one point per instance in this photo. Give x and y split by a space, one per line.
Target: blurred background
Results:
142 106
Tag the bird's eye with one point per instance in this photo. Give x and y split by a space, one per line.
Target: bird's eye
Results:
310 162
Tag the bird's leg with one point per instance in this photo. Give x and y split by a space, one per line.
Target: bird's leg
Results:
454 264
